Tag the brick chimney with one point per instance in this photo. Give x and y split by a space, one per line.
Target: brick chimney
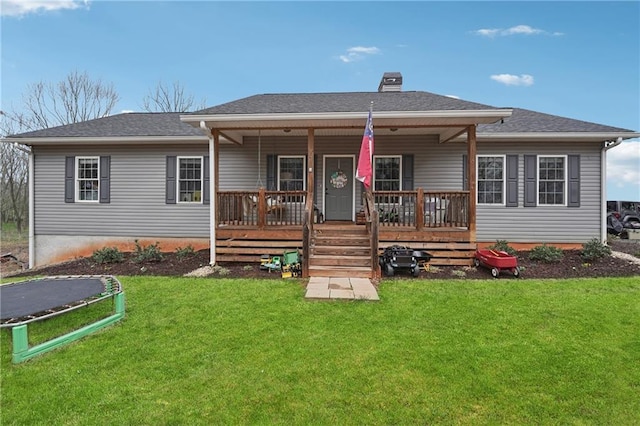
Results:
391 82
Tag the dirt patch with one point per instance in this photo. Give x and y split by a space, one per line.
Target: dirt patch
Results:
570 266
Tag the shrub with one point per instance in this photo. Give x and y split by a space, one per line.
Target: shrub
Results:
108 255
546 254
185 252
150 253
594 249
503 245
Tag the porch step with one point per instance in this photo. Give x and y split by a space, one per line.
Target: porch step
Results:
340 250
339 271
341 240
340 260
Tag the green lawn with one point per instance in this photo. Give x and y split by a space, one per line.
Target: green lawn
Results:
10 234
225 351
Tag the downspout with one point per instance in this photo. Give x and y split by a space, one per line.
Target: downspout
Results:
32 209
212 201
603 186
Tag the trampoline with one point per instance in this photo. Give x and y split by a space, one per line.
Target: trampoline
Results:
33 300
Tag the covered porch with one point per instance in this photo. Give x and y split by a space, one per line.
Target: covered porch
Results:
267 219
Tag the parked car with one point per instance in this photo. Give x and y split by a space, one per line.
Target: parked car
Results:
620 221
630 207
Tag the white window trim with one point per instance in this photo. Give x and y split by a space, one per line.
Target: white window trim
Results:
77 178
189 157
304 168
375 157
504 179
566 176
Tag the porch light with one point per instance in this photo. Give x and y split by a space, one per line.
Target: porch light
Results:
286 130
394 129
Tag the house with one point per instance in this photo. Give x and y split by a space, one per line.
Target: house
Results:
276 171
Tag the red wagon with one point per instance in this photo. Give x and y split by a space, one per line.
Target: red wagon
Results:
497 261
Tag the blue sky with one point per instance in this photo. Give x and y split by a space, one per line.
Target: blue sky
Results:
573 59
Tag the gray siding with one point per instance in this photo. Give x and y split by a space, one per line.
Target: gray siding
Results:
545 223
137 206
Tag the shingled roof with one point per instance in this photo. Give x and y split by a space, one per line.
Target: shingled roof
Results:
285 103
169 124
121 125
525 121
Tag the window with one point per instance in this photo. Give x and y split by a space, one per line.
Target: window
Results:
386 177
87 181
552 178
291 175
190 179
491 182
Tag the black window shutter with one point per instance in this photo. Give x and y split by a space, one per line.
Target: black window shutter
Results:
574 181
206 186
407 172
69 179
512 181
105 179
171 180
272 172
465 175
530 168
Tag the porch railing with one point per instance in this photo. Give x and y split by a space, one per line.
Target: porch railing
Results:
260 208
422 209
372 222
418 209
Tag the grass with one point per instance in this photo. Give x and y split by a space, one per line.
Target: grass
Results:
232 351
9 233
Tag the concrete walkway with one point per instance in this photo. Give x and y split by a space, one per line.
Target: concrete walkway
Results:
324 288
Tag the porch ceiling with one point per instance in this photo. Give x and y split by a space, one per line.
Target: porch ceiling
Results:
446 124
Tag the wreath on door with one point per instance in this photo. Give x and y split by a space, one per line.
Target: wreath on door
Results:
339 179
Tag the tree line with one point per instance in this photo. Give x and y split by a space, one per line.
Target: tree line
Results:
74 99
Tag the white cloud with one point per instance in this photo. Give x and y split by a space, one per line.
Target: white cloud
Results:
513 80
453 96
358 53
623 166
20 8
517 30
126 111
522 29
488 32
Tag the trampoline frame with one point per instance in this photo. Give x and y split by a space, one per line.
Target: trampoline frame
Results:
20 334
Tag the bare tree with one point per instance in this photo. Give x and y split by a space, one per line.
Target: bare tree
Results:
14 172
170 99
14 180
74 99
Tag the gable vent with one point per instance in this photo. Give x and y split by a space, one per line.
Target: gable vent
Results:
391 82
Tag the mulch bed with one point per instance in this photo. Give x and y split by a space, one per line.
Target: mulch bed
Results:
571 266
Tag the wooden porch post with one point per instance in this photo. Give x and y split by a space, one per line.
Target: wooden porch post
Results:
307 223
262 208
471 171
310 172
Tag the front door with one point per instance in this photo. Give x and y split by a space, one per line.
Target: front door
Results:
338 187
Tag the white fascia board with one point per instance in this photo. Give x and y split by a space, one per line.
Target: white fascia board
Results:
483 116
551 136
112 140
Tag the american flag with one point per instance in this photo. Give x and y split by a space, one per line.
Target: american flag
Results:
364 172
